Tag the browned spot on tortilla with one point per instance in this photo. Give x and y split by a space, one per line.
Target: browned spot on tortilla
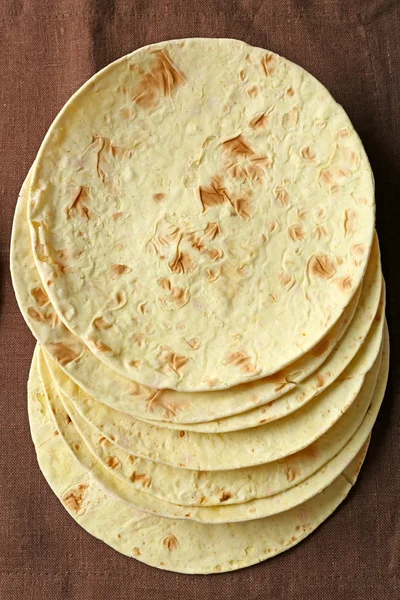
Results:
170 542
159 197
135 363
139 339
327 176
344 133
212 231
212 274
138 389
290 119
40 296
358 249
162 80
281 196
362 200
254 171
74 499
379 314
118 152
321 232
349 224
290 92
286 279
101 323
105 149
194 343
322 347
178 296
308 154
182 434
215 253
291 474
68 419
78 206
241 360
253 91
183 263
322 266
238 146
269 63
345 284
49 316
225 496
101 346
213 195
143 308
117 216
174 361
243 207
127 113
142 478
309 452
278 379
118 270
259 121
320 380
120 301
104 441
273 226
136 551
113 462
63 353
63 259
301 397
296 232
242 270
238 172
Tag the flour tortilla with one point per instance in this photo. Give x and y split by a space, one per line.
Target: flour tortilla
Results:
175 545
249 447
349 347
224 491
99 381
202 212
108 478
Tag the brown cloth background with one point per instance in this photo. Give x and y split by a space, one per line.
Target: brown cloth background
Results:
48 49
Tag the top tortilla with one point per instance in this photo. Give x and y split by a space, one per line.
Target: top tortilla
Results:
202 211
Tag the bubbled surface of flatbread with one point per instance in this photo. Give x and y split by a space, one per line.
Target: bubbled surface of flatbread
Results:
202 211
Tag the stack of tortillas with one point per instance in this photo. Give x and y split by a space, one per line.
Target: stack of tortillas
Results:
194 251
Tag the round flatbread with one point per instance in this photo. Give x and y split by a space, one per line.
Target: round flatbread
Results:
244 448
202 212
270 488
341 356
169 544
110 388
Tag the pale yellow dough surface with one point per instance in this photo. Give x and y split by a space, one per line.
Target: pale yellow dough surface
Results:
218 496
96 379
170 544
244 448
202 212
